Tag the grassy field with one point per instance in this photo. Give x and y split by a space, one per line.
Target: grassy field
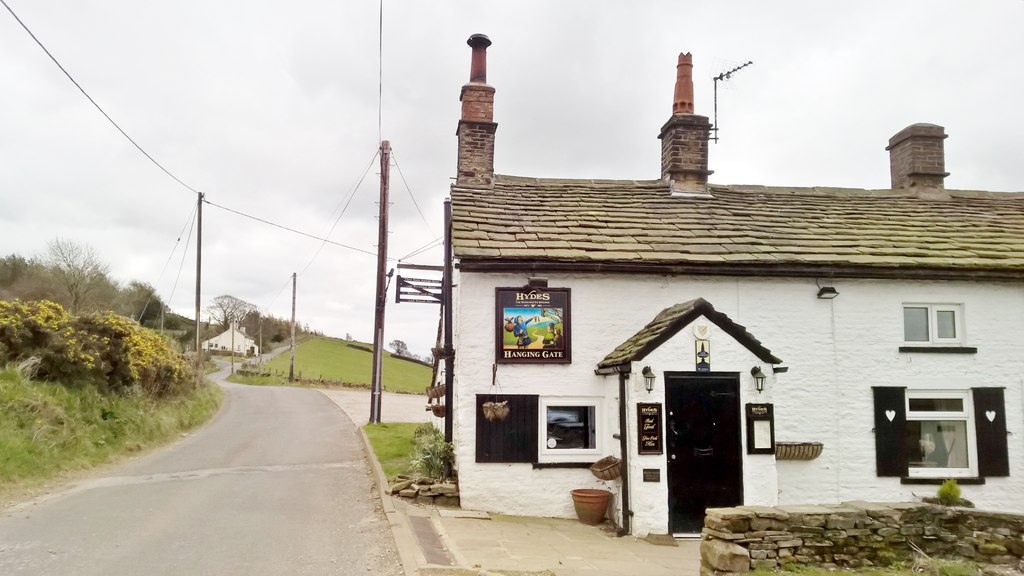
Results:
48 429
393 445
334 359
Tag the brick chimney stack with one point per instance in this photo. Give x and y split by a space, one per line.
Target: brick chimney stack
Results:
684 138
477 126
917 158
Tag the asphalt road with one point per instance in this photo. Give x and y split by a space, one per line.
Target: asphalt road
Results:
277 484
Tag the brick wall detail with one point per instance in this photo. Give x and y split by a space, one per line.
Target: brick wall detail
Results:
917 157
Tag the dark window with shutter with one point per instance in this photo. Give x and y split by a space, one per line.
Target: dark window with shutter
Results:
890 420
990 428
513 439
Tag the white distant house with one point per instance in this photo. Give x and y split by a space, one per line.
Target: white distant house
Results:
242 344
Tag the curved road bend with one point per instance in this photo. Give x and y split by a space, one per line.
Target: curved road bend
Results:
277 484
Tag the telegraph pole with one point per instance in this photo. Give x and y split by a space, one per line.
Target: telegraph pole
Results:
381 293
199 281
291 365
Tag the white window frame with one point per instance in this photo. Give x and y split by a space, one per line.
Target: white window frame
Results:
966 416
933 324
549 455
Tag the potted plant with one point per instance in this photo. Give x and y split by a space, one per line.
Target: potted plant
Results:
591 504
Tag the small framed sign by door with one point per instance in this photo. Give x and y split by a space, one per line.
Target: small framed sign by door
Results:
760 429
648 426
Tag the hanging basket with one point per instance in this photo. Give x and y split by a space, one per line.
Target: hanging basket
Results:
436 391
607 468
494 411
439 410
797 450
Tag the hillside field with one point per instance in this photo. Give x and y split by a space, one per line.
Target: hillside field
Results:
351 363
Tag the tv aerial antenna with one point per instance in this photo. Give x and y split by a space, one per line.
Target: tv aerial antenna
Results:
721 78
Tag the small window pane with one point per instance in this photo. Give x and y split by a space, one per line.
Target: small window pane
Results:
936 444
571 427
946 323
936 404
915 324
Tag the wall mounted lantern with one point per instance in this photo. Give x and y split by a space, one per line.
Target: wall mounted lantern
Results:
648 378
827 292
758 378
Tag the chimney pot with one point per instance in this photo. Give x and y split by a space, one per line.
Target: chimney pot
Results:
917 157
683 101
478 64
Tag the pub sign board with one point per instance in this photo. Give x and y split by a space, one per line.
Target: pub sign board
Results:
532 326
648 420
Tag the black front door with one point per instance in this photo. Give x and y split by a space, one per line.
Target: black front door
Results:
703 447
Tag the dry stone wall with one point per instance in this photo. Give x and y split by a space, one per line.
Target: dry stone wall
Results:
854 534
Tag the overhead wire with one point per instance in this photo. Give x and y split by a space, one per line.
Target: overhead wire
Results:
94 103
182 264
409 190
169 257
293 230
433 243
350 196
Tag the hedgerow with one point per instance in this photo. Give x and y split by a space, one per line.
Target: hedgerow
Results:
109 351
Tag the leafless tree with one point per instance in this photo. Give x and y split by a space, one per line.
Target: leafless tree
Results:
227 309
400 348
77 271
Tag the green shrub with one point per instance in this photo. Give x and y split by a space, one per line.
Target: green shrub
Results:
432 456
949 493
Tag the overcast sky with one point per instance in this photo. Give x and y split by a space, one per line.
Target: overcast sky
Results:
271 108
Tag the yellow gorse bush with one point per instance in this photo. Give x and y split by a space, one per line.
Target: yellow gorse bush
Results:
106 349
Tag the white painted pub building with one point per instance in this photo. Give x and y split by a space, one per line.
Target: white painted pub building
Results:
731 344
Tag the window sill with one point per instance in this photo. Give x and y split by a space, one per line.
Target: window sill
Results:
940 349
938 481
543 465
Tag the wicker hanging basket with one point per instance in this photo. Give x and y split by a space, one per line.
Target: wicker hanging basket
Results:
798 450
607 468
436 391
439 410
494 411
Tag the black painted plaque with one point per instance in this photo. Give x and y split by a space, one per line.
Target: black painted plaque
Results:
648 420
652 475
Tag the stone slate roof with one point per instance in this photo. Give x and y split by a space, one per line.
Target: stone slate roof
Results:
603 223
670 321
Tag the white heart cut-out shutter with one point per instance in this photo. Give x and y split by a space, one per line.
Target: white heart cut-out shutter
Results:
890 414
991 415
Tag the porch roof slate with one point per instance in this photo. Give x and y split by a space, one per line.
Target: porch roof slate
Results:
642 222
670 321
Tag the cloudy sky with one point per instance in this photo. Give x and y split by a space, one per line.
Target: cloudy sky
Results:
271 108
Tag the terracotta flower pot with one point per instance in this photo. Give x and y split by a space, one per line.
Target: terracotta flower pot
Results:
591 505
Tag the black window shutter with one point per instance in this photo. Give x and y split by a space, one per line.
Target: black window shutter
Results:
513 439
890 459
992 450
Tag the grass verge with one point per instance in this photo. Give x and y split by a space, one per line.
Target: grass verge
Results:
48 429
920 567
392 443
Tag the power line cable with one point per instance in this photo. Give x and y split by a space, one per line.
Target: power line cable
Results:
422 249
299 232
380 72
169 256
351 195
98 107
408 189
182 264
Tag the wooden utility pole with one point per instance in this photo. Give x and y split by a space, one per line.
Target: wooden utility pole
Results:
199 282
291 365
381 294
